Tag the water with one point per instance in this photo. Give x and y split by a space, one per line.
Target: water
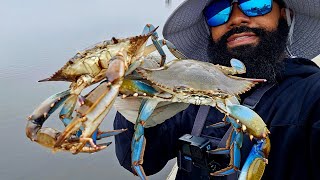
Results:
37 37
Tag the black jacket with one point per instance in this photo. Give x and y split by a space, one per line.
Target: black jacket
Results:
291 110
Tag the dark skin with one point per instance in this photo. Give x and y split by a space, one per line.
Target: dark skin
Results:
259 42
269 22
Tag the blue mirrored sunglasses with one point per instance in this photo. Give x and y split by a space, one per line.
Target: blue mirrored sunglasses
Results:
218 12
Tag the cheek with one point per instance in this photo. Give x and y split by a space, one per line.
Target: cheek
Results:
269 24
269 21
217 33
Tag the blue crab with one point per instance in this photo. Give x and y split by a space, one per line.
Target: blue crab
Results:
201 83
112 60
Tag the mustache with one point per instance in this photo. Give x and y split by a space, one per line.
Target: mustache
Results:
241 29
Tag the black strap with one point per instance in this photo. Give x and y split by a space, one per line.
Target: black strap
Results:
200 120
225 137
252 101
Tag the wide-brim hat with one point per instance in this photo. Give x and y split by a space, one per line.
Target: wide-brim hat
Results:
186 28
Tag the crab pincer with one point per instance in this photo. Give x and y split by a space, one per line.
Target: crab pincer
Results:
90 115
244 120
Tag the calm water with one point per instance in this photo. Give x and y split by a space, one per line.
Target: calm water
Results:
36 38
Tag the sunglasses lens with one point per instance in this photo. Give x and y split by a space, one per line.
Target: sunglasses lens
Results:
217 13
254 8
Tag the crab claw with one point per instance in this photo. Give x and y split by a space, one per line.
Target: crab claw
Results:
33 127
42 112
257 160
49 105
245 116
47 137
97 105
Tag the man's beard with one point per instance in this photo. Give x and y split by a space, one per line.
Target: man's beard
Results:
263 60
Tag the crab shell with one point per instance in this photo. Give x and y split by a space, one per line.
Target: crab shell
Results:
196 77
95 60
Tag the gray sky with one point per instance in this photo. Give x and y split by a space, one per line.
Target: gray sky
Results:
37 37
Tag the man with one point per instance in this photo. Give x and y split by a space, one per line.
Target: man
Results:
257 33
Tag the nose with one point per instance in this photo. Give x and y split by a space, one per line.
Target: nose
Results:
237 18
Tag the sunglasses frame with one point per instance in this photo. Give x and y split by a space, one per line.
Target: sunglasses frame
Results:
231 8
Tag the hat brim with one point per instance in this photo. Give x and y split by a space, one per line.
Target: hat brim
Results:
187 29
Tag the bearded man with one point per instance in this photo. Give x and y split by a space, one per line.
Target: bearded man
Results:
272 39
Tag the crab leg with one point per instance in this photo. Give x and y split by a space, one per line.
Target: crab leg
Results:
163 42
139 141
233 147
146 109
157 45
154 37
246 120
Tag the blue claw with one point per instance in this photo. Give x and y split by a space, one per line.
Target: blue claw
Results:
238 66
49 105
256 162
43 111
